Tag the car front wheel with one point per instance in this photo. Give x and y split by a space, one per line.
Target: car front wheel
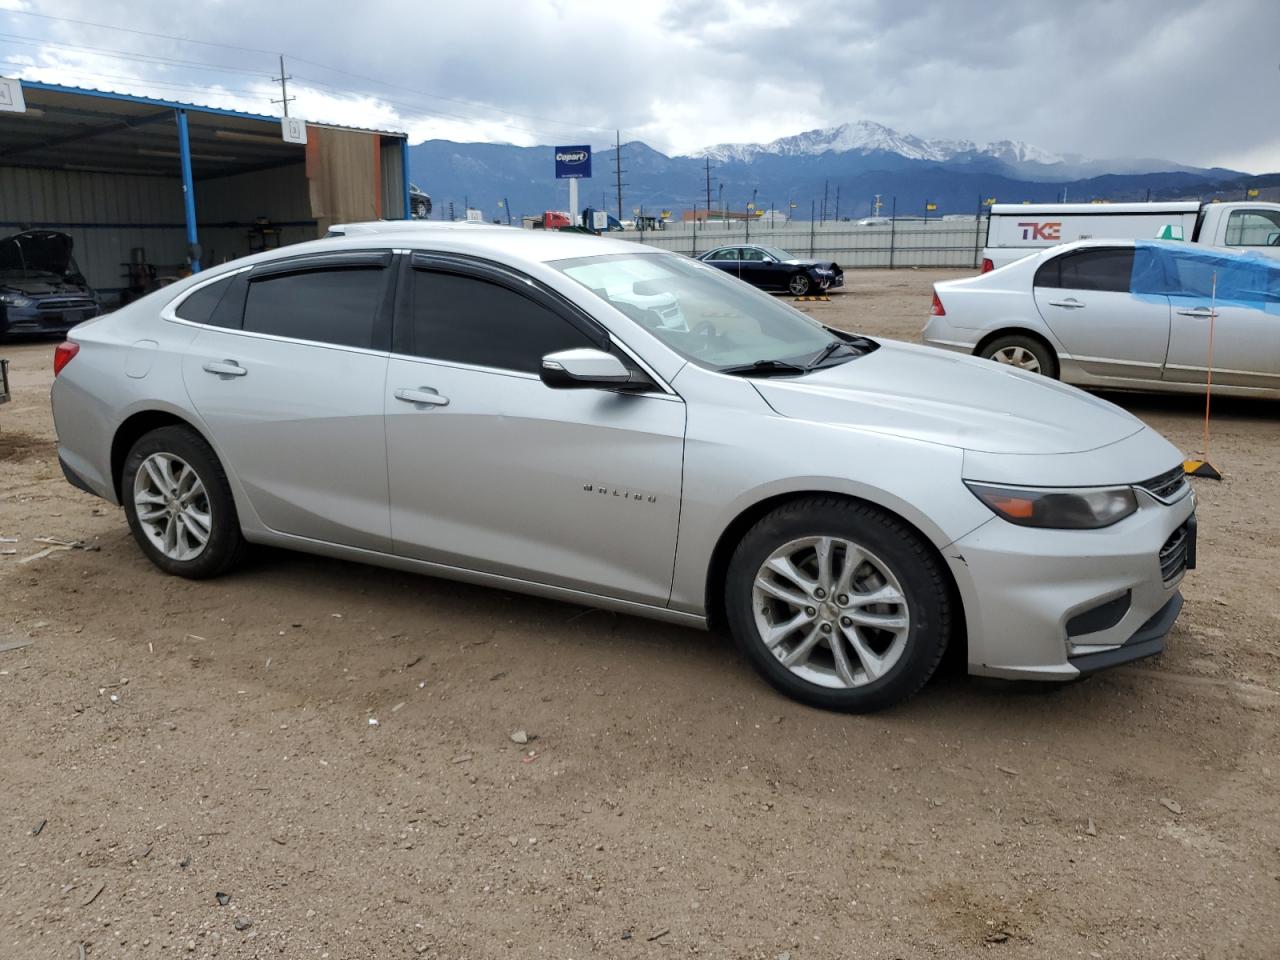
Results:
838 604
800 284
179 504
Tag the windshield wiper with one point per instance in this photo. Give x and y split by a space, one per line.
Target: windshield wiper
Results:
824 353
765 368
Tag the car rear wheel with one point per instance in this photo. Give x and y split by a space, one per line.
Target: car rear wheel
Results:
800 284
1025 353
179 505
838 604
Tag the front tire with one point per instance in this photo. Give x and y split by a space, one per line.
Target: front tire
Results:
800 284
179 504
838 604
1025 353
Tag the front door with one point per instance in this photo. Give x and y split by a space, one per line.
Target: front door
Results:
291 387
492 470
1084 297
1242 296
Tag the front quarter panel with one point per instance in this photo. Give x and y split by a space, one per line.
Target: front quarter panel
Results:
739 452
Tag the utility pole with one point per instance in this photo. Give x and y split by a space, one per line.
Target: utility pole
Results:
708 188
283 80
506 205
836 218
617 163
825 185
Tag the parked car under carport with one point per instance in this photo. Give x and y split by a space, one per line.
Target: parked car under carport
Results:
42 291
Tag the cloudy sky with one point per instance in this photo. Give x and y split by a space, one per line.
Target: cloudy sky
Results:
1196 81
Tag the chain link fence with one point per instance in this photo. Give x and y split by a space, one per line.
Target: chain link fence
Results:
894 243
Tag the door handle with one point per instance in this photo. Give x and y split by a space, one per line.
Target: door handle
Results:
1203 313
225 368
1071 303
422 395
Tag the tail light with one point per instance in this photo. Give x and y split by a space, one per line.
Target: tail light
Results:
987 265
937 310
63 354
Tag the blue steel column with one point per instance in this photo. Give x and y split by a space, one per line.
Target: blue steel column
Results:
404 170
188 188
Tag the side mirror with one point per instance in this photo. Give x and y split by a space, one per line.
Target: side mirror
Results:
586 368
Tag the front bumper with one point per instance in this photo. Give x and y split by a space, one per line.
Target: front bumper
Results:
1053 604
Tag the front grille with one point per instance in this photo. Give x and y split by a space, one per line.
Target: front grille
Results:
1173 555
58 306
1167 485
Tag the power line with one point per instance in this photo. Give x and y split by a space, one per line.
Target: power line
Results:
122 55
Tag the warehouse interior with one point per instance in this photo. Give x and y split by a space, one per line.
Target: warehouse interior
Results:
150 190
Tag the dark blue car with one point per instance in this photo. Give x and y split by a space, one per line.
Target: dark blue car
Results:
771 268
41 289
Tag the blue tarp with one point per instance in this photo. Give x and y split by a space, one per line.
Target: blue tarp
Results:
1188 272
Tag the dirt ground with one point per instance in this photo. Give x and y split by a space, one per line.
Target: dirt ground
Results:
166 741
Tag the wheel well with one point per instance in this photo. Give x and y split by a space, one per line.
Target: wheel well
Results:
1016 332
128 433
718 569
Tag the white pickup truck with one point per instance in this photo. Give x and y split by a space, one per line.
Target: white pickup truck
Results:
1015 230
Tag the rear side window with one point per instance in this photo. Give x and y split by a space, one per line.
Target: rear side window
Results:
1102 270
199 306
469 320
336 305
725 253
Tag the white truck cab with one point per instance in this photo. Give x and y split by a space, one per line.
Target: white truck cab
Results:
1015 230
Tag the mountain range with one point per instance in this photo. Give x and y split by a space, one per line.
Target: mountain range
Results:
852 163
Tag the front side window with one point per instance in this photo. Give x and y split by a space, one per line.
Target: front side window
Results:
333 305
466 319
703 314
1103 270
1253 228
752 255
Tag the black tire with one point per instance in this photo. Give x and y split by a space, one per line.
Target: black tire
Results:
896 545
1043 353
800 284
225 545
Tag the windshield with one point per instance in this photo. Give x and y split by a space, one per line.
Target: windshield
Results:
707 316
779 254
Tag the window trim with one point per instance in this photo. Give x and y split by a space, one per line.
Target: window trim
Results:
518 283
169 310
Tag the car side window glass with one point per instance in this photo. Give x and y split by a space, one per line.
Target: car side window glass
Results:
198 307
334 305
1253 228
725 253
466 319
752 255
1102 270
1049 273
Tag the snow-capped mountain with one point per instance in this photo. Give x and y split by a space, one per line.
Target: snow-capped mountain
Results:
868 137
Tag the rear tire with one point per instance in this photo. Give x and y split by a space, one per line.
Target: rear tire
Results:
810 625
1024 352
179 504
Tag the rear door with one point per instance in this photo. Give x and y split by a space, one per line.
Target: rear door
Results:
1243 300
288 374
1084 297
492 470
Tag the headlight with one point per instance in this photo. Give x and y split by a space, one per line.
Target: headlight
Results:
821 270
14 300
1069 509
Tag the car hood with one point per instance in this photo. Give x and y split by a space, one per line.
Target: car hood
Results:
958 401
809 263
36 251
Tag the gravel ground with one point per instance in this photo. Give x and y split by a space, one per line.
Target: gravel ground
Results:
167 741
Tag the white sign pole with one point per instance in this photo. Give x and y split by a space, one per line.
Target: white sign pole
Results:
573 201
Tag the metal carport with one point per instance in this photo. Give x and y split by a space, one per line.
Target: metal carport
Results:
183 185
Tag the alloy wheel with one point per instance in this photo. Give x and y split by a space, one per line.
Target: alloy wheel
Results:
172 506
830 611
1016 356
799 285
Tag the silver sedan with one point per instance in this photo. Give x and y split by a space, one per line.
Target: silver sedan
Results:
508 407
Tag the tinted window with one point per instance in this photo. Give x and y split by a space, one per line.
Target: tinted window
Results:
199 306
753 255
469 320
1253 228
332 306
1104 270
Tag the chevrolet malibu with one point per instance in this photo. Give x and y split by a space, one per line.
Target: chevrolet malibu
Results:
498 406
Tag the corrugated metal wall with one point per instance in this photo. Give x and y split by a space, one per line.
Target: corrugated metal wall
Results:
227 206
105 214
